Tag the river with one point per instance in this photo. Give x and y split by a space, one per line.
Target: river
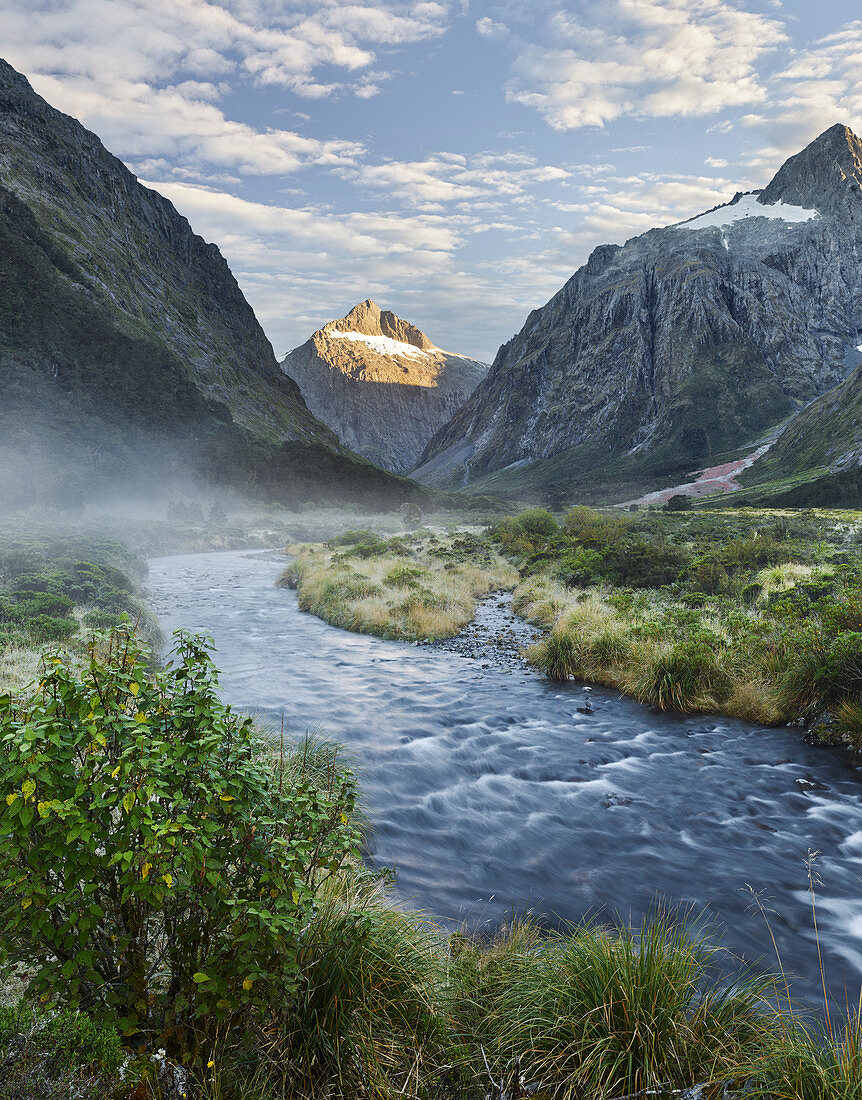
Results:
490 792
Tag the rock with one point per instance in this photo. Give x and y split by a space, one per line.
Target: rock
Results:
381 384
684 342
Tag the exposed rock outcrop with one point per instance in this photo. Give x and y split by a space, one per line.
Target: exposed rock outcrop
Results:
683 343
381 384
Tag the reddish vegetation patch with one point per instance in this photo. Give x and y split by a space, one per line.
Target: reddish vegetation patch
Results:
713 479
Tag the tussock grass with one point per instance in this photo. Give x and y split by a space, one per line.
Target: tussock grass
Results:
603 1012
757 617
416 587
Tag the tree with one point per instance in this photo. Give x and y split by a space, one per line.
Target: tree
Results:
151 871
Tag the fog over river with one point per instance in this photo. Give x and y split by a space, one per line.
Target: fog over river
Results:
489 791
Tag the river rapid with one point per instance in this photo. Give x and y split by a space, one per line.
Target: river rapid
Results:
490 792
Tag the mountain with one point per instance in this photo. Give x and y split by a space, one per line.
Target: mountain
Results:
381 384
128 353
684 343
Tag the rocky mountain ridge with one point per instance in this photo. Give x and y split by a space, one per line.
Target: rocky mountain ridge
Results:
137 252
678 346
129 359
381 384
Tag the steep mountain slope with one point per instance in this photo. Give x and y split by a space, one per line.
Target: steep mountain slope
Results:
680 345
137 252
126 346
381 384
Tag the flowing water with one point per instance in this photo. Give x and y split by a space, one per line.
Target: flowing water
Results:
490 791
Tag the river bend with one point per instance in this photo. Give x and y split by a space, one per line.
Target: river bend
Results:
489 791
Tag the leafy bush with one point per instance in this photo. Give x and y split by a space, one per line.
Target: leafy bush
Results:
352 538
536 522
403 576
579 567
150 872
48 628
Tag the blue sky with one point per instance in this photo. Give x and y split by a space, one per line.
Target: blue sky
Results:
456 160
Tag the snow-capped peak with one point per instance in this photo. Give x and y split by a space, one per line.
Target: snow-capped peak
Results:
384 345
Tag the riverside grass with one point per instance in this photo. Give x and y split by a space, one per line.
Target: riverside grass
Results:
388 1005
422 586
751 614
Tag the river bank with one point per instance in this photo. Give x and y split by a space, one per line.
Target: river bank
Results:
744 614
492 793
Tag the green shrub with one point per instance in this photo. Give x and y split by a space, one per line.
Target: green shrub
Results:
150 871
579 567
58 1054
72 1037
21 605
403 576
536 523
47 628
589 527
821 672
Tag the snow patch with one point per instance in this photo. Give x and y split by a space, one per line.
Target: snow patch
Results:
748 207
384 345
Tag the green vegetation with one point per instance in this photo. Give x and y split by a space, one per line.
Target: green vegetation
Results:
57 1054
416 586
163 888
169 879
55 589
751 614
601 1012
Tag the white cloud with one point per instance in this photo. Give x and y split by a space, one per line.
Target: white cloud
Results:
135 70
489 29
642 58
820 86
448 177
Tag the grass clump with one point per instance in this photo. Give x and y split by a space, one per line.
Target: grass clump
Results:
604 1012
419 586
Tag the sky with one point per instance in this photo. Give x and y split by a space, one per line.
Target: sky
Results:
454 160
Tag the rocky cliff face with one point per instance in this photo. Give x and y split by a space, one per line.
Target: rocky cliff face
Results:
381 384
140 256
681 344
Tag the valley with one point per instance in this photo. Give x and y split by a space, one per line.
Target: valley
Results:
377 721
